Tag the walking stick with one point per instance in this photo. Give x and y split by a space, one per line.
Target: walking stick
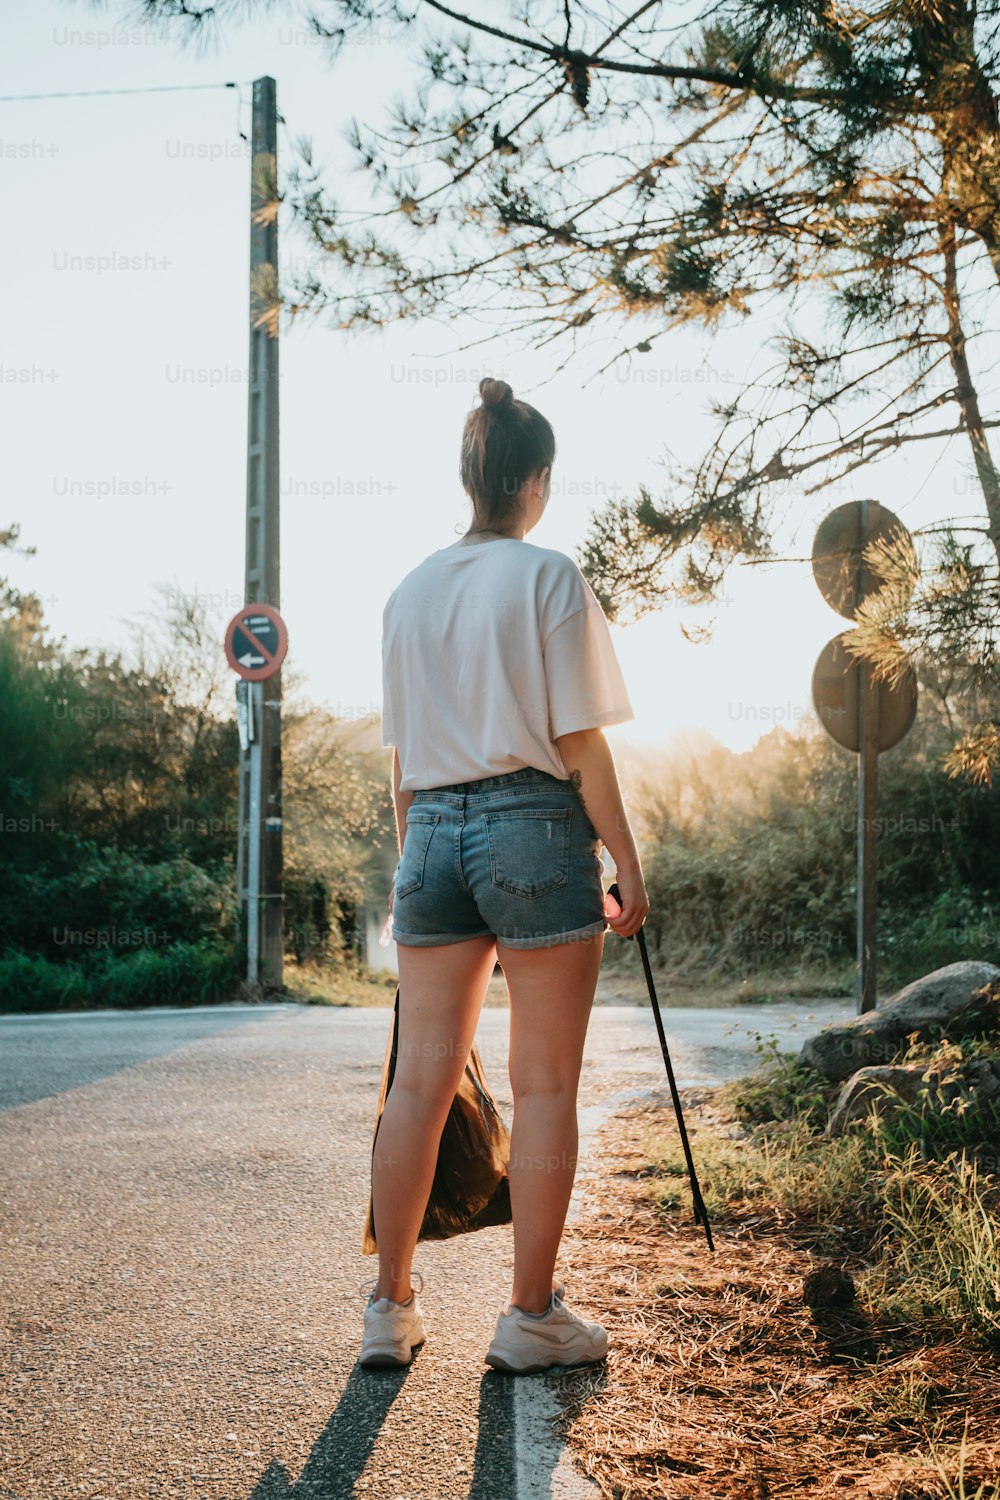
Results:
700 1211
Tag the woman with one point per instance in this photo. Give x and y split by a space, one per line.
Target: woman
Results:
498 673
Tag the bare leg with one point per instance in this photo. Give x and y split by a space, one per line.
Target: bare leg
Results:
441 991
551 994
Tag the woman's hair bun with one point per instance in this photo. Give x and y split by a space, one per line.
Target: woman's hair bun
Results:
504 442
495 393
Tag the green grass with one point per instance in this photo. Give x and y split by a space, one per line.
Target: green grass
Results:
789 1174
941 1243
176 974
934 1122
906 1195
780 1088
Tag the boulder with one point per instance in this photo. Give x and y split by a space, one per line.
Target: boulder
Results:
932 1006
891 1088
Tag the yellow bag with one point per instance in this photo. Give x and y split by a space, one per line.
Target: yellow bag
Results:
471 1188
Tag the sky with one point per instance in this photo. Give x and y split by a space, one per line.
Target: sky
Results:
124 389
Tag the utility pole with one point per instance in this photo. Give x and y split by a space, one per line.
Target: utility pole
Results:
259 854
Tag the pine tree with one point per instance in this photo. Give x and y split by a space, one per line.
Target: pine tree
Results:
573 168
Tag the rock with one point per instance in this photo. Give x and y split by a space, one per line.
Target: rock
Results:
939 1000
828 1286
885 1088
888 1089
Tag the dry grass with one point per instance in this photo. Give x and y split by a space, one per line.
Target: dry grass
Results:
695 985
721 1382
353 983
339 984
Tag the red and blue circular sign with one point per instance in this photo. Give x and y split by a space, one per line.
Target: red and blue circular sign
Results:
256 642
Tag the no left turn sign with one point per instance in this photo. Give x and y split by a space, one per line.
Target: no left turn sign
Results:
256 642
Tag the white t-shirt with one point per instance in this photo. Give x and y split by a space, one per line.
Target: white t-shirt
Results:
490 649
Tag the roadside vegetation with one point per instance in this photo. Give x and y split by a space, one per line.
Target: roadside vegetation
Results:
843 1337
750 862
118 820
912 1197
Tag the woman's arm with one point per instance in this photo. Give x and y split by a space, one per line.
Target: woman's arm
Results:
590 766
401 800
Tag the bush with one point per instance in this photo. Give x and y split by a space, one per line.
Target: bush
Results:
31 983
954 925
780 1088
181 974
750 858
87 899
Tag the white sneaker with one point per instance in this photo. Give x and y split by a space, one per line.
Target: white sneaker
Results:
525 1345
392 1329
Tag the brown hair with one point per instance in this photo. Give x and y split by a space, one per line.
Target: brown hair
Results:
504 442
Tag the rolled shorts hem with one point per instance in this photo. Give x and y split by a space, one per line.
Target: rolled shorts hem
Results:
433 940
590 930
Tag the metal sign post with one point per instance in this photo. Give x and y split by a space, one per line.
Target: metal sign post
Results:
860 713
866 970
256 644
253 838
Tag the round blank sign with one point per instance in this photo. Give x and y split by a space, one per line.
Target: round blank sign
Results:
837 549
835 696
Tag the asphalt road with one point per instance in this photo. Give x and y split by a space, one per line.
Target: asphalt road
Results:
182 1197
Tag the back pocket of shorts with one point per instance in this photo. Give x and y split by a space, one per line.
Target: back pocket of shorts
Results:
529 849
410 871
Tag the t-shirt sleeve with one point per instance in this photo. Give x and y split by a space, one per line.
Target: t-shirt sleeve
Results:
583 679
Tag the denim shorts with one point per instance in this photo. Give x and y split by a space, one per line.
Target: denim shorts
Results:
512 856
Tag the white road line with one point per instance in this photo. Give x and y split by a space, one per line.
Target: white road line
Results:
543 1469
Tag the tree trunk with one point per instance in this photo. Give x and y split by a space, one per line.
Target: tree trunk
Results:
968 400
966 116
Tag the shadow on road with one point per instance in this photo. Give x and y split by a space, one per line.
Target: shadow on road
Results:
49 1053
345 1446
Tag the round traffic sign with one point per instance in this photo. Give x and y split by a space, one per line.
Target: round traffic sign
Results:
836 678
837 549
256 642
